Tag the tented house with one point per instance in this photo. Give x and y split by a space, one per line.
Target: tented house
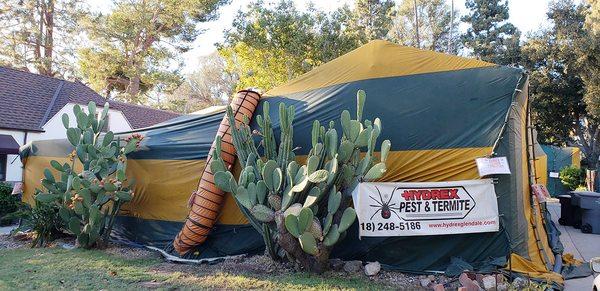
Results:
441 112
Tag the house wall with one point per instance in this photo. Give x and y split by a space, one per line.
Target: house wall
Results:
14 167
54 129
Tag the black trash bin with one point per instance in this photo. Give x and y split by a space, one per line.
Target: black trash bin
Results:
570 213
576 209
590 212
566 210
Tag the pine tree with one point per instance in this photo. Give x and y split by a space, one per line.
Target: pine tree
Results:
490 36
38 35
372 19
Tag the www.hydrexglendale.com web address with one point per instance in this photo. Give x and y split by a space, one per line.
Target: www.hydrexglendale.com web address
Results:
462 224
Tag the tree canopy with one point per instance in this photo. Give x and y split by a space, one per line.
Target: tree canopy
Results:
133 48
38 35
269 45
210 85
372 19
565 103
593 17
434 26
490 36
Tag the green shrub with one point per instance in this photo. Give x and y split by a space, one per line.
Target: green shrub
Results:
8 204
572 177
43 219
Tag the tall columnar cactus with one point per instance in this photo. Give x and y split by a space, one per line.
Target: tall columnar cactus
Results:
303 208
89 200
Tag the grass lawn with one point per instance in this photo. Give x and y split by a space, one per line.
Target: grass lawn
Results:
52 268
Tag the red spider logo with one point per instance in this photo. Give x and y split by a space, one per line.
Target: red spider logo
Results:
385 207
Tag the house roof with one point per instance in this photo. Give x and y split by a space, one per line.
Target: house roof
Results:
28 101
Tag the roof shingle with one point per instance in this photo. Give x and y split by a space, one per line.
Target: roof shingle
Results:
25 97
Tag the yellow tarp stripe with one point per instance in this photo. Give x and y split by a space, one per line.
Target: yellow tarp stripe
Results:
376 59
541 170
163 187
167 186
33 173
434 165
576 157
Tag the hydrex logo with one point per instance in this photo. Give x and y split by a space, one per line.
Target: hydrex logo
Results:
423 203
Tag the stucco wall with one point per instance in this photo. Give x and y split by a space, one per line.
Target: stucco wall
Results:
54 129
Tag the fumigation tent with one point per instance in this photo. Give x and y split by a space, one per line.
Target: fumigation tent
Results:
440 112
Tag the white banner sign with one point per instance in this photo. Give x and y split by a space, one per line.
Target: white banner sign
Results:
433 208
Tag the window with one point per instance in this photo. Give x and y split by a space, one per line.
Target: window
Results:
2 167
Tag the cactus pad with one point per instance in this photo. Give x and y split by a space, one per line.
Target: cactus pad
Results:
263 213
308 243
305 218
347 219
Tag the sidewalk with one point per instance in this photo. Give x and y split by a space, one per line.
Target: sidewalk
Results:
583 246
7 229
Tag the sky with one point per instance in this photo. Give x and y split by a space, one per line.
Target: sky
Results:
527 15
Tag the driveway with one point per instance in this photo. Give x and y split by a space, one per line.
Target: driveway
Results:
582 245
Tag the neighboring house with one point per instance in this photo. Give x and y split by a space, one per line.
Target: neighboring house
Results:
31 107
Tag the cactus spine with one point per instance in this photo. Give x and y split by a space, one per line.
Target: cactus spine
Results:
304 209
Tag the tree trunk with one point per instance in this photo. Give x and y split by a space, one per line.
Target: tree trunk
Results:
588 136
37 50
44 43
318 263
49 39
134 86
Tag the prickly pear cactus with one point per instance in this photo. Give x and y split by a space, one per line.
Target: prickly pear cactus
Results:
89 200
302 210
